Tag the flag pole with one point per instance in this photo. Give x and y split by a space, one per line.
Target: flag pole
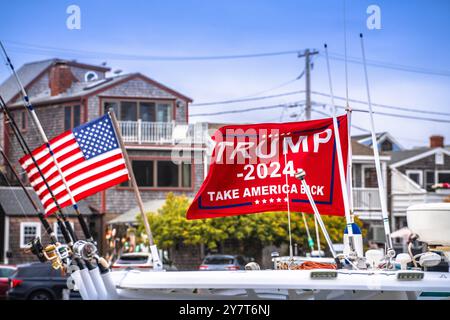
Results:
340 162
157 265
291 254
387 230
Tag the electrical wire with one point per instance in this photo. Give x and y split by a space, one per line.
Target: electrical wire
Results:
388 65
22 47
294 104
407 109
402 116
246 99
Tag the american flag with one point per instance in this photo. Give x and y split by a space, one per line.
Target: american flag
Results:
90 159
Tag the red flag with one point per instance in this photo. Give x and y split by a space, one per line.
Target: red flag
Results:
250 164
89 157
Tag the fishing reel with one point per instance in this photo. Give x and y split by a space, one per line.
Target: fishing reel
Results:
51 254
57 254
85 250
35 247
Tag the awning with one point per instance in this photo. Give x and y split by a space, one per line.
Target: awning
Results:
130 216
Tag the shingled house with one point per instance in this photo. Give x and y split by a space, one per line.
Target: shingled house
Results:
153 119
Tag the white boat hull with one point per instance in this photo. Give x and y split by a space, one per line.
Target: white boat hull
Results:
276 284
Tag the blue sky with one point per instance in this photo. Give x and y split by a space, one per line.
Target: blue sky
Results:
413 33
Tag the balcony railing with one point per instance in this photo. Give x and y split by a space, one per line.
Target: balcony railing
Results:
366 199
162 132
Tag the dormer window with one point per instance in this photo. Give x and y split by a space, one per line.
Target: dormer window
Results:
90 76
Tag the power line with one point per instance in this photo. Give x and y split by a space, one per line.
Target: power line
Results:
49 50
118 56
246 99
388 65
403 116
294 104
422 110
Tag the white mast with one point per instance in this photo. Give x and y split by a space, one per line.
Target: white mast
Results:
337 140
387 230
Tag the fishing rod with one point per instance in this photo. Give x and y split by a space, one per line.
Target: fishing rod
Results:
57 253
78 249
83 278
63 223
36 121
86 250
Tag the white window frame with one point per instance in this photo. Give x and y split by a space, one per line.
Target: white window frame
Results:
22 231
363 167
420 172
56 228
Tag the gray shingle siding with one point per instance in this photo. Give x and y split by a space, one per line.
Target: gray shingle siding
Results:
136 88
427 163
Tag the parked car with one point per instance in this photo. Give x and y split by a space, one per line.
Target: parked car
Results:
36 281
223 262
5 272
141 261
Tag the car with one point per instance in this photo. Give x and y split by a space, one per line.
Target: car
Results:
141 261
36 281
5 272
223 262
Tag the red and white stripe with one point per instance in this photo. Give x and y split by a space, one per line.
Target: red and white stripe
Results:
83 177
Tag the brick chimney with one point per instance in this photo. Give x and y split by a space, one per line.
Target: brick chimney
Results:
436 141
60 78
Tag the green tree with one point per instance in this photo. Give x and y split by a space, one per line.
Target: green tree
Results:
170 226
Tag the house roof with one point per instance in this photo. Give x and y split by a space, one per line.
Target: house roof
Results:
30 71
367 135
81 89
14 201
399 158
361 149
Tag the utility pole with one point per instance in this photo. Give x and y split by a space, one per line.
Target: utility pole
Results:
307 53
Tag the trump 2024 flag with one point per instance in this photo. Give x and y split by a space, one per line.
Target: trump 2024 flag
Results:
253 169
90 158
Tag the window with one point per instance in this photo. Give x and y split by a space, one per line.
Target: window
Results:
128 111
147 111
28 231
163 112
111 105
386 145
58 231
90 76
370 177
443 176
167 174
416 176
71 117
143 172
429 180
161 174
377 233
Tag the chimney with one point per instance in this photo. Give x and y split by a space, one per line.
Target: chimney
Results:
60 78
436 141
